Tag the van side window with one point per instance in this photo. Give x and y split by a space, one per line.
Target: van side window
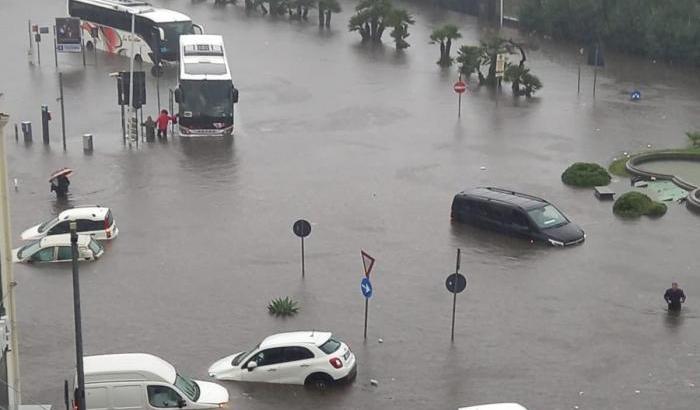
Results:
162 397
519 219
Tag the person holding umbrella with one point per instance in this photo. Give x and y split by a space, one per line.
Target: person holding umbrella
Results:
59 182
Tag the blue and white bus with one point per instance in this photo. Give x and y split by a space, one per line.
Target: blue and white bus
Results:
205 93
106 25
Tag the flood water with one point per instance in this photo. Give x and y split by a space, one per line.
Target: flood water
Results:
686 169
365 143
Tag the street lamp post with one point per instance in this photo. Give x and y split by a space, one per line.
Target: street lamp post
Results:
80 394
131 115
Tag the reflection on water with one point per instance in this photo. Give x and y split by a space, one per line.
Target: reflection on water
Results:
687 170
673 320
484 240
210 157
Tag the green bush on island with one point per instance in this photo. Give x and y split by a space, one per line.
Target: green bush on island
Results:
635 204
585 174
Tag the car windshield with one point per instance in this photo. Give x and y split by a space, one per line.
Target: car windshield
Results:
330 346
48 224
239 357
187 386
29 250
547 217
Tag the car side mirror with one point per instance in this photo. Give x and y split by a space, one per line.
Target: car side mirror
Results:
178 95
251 366
234 95
181 403
198 28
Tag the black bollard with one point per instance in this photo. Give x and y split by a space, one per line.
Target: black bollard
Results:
45 118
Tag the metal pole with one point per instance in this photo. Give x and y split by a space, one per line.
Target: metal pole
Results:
63 112
123 125
7 294
30 53
595 70
38 53
82 47
158 73
302 257
55 51
459 104
366 308
454 295
77 318
131 76
501 22
578 89
16 139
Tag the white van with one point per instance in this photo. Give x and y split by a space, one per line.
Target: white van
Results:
140 381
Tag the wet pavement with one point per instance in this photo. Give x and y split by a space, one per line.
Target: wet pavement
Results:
365 143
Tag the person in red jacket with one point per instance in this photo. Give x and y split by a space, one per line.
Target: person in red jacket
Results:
162 121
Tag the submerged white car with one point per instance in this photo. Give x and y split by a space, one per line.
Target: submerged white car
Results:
96 221
310 358
57 248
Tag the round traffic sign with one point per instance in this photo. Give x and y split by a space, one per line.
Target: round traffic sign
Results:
302 228
456 283
366 287
460 87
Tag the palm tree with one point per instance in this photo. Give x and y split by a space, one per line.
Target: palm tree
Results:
490 49
520 75
469 59
370 19
325 9
444 35
399 20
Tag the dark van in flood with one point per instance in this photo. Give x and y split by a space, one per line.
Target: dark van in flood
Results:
515 213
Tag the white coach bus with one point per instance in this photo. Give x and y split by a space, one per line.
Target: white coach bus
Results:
106 24
205 93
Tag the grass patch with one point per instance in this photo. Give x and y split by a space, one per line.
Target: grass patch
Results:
584 174
635 204
618 167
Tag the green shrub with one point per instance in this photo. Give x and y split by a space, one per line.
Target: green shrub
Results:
283 307
585 174
635 204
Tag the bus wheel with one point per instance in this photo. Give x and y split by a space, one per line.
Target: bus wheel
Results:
89 46
138 59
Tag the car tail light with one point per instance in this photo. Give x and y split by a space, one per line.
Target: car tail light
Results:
335 362
109 234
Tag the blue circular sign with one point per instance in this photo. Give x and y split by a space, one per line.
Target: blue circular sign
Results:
366 287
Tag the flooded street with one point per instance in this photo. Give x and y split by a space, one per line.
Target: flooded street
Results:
365 143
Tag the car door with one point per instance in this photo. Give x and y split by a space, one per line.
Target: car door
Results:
65 253
162 397
268 361
44 255
296 365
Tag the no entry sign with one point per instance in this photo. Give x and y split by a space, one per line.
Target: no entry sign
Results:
460 87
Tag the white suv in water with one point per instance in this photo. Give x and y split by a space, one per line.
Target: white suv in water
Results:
309 357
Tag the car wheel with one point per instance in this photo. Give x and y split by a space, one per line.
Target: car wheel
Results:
319 381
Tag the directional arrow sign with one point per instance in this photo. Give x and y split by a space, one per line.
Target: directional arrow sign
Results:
366 287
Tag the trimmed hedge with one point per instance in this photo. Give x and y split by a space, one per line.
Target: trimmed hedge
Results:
635 204
585 174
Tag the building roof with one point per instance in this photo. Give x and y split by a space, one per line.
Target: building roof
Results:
296 338
127 366
492 193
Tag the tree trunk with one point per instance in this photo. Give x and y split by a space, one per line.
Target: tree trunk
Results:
516 88
321 15
305 13
328 17
442 53
448 46
380 32
248 4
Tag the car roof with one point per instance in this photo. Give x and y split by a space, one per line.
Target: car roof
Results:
495 406
295 338
63 240
524 201
134 366
91 212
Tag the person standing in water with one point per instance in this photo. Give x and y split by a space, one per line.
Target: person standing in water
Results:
674 296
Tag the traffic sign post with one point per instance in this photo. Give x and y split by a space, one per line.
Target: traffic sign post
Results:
455 283
366 285
302 229
460 87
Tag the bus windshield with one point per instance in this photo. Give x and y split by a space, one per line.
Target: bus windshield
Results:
206 98
173 31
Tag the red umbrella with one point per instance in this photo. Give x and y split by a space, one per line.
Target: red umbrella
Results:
63 171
